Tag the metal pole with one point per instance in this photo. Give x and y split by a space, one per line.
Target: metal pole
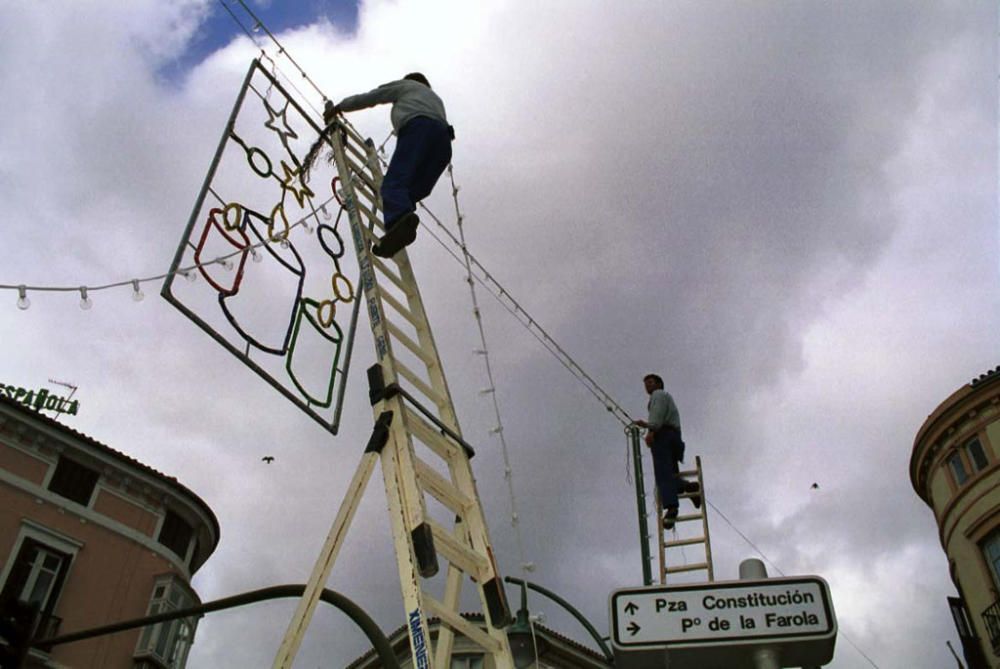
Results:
640 498
764 657
566 605
374 633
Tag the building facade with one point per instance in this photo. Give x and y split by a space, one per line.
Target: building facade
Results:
91 537
955 469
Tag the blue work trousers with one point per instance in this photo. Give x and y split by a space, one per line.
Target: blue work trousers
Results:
423 151
668 450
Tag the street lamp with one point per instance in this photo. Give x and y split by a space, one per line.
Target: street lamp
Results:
523 642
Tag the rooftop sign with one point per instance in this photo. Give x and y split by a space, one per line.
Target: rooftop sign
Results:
41 399
720 623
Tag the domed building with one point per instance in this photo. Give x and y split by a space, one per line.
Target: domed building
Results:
90 536
955 468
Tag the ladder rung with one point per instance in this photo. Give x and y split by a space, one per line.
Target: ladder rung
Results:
409 343
369 215
353 135
458 554
398 306
418 383
441 488
688 472
388 273
689 516
460 624
359 171
362 187
683 542
686 567
360 153
432 437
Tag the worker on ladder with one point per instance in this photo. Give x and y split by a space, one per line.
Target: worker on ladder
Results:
663 436
423 151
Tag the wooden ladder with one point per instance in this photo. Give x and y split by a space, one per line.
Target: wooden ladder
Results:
678 542
419 444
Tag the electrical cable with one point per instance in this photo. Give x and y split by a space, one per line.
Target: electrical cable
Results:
86 290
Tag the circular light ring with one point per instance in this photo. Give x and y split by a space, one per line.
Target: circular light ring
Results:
343 280
254 151
319 234
326 304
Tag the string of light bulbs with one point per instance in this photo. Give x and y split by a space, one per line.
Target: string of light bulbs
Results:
189 272
491 389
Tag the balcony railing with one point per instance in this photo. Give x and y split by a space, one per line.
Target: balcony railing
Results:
991 617
48 626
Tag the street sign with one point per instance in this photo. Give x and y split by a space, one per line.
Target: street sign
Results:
720 623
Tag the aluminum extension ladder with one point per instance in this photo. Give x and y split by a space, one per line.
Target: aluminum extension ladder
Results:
687 519
419 444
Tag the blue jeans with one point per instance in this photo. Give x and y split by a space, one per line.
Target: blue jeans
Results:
423 151
667 450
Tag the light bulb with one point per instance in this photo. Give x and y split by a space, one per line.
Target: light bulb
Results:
137 293
85 302
257 257
305 227
326 213
226 263
256 26
22 298
284 242
190 275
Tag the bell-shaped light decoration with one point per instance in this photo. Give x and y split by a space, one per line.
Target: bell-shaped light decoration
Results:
22 298
85 301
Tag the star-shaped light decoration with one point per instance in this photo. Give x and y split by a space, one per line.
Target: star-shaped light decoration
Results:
284 131
293 178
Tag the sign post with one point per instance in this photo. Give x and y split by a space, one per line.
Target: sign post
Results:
746 624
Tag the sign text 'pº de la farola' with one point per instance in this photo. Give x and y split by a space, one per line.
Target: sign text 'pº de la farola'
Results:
41 399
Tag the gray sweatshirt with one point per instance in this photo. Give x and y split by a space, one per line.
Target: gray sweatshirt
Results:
408 98
662 410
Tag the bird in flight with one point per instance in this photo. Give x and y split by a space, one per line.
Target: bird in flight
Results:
268 459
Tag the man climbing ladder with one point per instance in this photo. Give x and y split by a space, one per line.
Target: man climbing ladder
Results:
423 151
419 444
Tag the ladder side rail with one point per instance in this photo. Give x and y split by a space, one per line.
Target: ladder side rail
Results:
435 370
704 521
409 578
406 510
324 564
459 467
412 501
659 536
452 593
412 532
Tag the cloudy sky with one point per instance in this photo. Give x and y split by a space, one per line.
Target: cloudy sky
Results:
788 209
